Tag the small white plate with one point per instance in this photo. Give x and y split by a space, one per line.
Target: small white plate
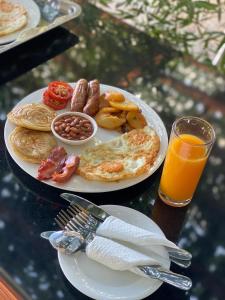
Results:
78 183
102 283
33 19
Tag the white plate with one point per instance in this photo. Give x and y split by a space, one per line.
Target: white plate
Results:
78 183
33 19
102 283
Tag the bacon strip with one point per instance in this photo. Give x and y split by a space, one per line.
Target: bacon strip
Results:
71 166
54 163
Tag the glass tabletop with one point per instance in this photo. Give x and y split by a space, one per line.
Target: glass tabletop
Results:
173 85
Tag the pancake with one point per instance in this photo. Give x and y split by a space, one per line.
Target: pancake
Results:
32 116
31 145
13 17
126 156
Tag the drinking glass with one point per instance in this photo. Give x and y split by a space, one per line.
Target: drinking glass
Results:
191 141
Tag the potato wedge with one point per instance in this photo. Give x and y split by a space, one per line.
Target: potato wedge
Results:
110 110
108 120
115 97
136 120
103 102
126 105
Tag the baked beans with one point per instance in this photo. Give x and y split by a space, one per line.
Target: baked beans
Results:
73 127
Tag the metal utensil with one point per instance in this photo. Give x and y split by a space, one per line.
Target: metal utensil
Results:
70 242
67 242
156 271
87 221
176 255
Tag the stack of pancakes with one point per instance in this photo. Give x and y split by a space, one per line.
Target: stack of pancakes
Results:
32 140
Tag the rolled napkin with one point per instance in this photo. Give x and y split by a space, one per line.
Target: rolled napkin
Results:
115 228
107 252
116 256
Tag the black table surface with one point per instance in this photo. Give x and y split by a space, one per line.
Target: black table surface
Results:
173 85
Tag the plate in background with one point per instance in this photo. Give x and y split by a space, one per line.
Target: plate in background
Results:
33 19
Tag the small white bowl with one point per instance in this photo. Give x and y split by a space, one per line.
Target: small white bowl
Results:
74 142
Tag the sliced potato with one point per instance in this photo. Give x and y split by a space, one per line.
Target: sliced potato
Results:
103 102
115 96
110 110
110 121
136 120
126 105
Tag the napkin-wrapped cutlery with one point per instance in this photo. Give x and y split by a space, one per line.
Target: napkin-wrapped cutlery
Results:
108 225
82 221
113 255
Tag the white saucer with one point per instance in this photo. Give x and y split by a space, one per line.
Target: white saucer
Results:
102 283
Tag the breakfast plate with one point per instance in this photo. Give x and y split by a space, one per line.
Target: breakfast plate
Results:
78 183
102 283
33 19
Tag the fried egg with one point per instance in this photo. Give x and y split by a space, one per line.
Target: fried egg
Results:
33 116
126 156
13 17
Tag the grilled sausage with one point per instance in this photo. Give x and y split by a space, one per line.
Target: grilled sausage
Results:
92 105
79 97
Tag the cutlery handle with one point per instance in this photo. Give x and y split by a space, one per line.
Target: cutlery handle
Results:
179 254
177 280
180 262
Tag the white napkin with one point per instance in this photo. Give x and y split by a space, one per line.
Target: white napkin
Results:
115 228
116 256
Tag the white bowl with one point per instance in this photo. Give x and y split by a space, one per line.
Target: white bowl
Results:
75 142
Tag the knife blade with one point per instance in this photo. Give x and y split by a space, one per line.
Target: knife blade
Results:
93 209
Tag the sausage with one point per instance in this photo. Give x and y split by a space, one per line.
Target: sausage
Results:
79 97
92 105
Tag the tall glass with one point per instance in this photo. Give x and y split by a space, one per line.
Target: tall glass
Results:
191 141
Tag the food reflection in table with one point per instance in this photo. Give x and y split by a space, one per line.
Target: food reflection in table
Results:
169 219
14 17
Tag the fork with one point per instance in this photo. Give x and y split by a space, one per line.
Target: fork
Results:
84 219
68 222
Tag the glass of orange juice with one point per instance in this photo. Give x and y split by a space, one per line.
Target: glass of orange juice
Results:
191 141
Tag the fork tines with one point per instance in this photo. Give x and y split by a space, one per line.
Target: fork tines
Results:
84 214
65 222
62 219
75 218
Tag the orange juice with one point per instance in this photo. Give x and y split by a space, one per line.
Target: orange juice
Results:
185 161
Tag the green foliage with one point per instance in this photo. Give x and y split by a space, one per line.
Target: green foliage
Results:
179 22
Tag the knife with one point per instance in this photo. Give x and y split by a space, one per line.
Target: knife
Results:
178 256
93 209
